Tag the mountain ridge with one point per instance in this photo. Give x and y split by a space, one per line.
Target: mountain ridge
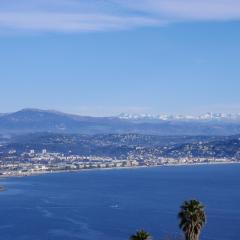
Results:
31 120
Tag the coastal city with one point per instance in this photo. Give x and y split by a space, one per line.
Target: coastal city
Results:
50 152
33 162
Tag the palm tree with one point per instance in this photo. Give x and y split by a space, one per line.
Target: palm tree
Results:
192 219
140 235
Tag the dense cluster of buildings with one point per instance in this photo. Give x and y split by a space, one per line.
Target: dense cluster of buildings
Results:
32 162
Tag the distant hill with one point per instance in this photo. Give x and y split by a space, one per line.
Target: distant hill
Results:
121 146
35 120
228 147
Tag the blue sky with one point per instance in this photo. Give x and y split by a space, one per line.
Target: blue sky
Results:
106 57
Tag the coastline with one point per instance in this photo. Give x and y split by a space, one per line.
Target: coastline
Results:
17 175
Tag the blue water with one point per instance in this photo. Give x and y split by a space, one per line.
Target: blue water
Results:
112 204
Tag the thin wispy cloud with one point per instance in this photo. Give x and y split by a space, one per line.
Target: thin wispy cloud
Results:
181 10
104 15
70 22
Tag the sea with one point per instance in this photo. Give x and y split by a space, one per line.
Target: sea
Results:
113 204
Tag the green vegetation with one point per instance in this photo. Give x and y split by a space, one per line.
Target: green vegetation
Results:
192 219
140 235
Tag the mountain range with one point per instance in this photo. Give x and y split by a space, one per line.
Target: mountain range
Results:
166 117
36 120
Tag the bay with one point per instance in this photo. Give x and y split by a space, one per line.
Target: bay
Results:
113 204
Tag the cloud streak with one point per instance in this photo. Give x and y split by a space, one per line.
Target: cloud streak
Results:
181 10
106 15
71 22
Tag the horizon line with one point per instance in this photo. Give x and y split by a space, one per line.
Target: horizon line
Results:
121 114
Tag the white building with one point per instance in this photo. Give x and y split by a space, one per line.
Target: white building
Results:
44 151
32 151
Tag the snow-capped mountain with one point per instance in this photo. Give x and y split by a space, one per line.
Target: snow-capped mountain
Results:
167 117
36 120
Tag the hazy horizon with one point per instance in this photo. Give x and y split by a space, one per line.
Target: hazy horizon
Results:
119 113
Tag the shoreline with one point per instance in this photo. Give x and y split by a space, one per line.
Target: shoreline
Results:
2 188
